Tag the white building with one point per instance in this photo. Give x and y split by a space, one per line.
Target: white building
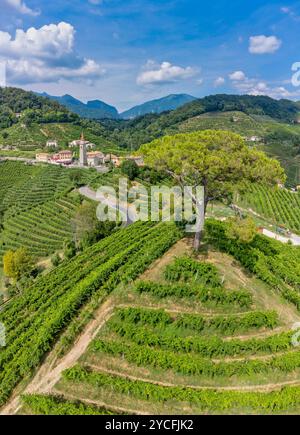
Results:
77 143
52 144
254 139
95 158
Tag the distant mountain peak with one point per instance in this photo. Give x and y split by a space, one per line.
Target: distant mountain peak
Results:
94 109
170 102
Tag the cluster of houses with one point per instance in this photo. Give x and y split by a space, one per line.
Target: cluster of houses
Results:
87 158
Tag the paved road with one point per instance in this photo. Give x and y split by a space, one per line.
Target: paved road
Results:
293 238
96 196
18 159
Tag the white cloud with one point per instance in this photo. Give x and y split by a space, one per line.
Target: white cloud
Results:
25 72
22 8
237 76
164 73
45 55
252 86
49 42
262 44
219 82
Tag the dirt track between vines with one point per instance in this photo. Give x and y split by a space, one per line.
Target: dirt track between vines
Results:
48 374
260 388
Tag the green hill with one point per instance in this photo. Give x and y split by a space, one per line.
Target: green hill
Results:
27 121
95 109
17 105
34 321
171 102
273 122
194 333
34 136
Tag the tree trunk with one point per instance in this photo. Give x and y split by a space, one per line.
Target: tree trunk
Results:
200 231
197 240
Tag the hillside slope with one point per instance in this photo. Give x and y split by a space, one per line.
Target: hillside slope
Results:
34 136
28 121
273 122
54 300
95 109
171 102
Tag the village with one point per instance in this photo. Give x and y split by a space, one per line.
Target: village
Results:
88 156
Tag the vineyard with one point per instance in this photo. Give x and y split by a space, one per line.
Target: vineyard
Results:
35 136
38 205
37 208
279 206
201 335
206 333
34 320
48 405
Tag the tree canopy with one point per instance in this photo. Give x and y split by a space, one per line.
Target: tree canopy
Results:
130 168
220 161
17 264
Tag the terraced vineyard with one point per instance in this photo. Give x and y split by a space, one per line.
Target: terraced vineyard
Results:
195 335
280 206
35 136
42 229
34 320
37 207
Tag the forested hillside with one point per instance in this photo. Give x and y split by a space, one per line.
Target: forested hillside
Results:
28 121
17 104
151 126
272 123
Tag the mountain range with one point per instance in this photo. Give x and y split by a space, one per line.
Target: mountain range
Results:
171 102
97 109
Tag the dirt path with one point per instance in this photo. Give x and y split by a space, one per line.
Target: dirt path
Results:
264 296
47 376
155 272
50 371
260 388
99 404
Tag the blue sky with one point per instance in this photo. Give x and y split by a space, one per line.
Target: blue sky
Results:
126 52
